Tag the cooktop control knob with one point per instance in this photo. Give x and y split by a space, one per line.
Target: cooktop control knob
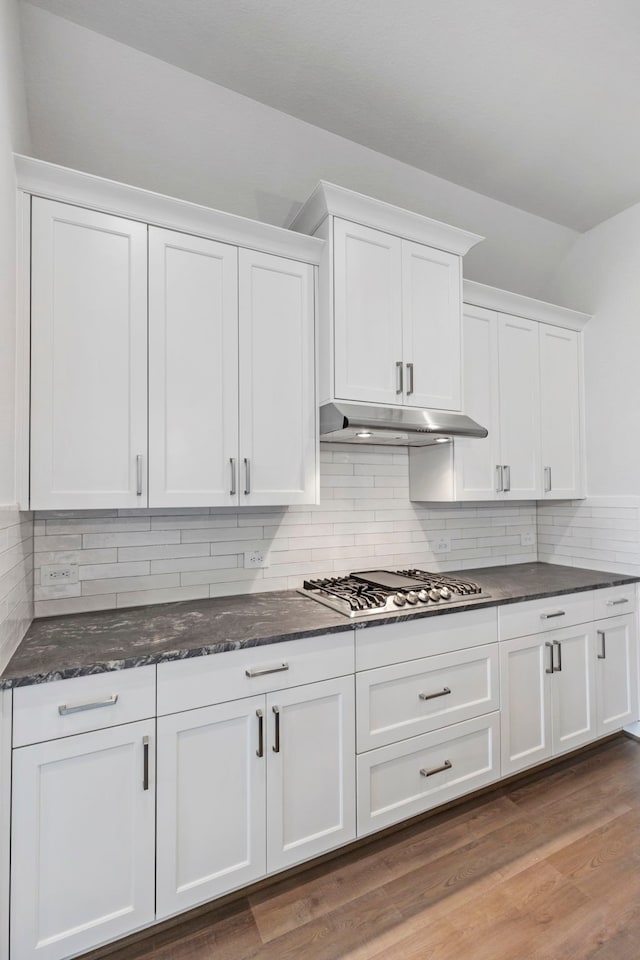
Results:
445 593
399 599
434 595
412 597
423 596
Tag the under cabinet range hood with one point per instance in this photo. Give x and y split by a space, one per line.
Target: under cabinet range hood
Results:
344 422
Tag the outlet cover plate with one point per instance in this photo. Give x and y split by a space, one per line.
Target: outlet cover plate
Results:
56 573
442 544
253 559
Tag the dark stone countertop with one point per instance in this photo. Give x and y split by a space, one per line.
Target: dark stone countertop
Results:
79 644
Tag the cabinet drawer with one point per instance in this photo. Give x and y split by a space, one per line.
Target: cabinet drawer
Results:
424 637
200 681
407 778
408 699
614 601
538 616
46 711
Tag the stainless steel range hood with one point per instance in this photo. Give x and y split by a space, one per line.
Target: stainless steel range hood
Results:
344 422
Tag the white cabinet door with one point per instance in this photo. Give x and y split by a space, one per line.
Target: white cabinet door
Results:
83 836
311 777
88 359
431 322
519 407
277 381
368 347
617 671
476 461
193 371
211 802
525 685
560 425
573 685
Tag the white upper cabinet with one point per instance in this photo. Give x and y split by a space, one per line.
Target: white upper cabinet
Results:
277 450
391 288
193 370
519 408
560 413
89 359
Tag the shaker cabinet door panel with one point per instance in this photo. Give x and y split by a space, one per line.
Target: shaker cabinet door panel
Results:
88 359
574 691
526 703
519 407
617 672
431 327
367 314
277 447
83 837
560 424
193 371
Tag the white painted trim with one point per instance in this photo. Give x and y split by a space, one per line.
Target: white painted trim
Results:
23 349
330 199
86 190
6 703
516 304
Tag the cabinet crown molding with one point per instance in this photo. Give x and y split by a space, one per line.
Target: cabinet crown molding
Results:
55 182
517 305
329 199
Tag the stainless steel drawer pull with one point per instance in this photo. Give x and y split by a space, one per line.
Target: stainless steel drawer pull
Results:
432 696
66 708
499 478
247 474
409 379
145 763
602 635
399 376
616 603
550 668
507 478
552 616
232 491
276 746
547 479
263 671
260 750
429 773
139 475
557 644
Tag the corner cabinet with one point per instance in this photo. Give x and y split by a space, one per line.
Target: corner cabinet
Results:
390 283
169 367
522 379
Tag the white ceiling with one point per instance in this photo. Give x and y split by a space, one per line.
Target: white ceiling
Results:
532 102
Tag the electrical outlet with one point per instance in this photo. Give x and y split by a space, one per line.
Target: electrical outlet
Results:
51 573
256 558
528 538
442 544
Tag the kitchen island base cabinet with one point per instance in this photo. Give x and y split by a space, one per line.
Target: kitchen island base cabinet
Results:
83 841
291 750
407 778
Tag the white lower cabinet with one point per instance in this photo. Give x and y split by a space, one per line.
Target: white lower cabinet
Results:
616 673
83 838
291 749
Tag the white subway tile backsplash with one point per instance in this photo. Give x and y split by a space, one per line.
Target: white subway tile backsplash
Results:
16 579
601 532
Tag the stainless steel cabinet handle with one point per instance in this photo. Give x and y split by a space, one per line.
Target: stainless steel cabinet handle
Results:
552 616
507 478
66 708
429 773
139 475
549 669
145 763
263 671
260 750
547 479
276 746
247 476
558 669
602 635
432 696
409 379
616 603
232 462
499 478
399 376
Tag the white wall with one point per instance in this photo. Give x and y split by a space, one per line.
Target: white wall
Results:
100 106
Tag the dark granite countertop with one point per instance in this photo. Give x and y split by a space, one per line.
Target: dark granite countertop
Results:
85 643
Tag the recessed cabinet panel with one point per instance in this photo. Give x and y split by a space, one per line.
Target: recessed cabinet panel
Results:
574 692
431 327
560 426
616 669
193 371
83 835
277 450
519 407
368 314
525 699
89 359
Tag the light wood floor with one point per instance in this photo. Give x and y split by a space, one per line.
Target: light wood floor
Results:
546 869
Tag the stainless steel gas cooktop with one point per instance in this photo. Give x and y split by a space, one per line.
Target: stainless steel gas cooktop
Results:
383 591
